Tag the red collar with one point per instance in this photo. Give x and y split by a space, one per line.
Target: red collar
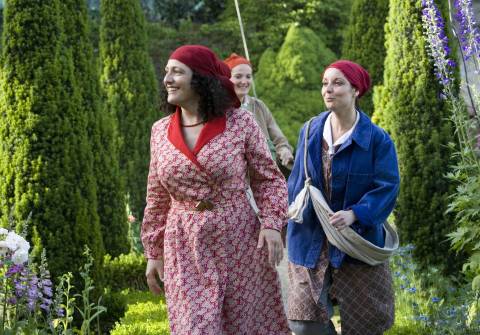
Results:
211 129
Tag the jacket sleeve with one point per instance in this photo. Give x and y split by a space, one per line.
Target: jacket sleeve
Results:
274 131
377 204
267 182
156 210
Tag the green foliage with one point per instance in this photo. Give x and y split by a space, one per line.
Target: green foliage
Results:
125 271
172 12
46 161
266 22
465 201
146 315
465 175
408 106
289 81
66 308
364 42
89 311
131 91
427 303
326 18
163 40
101 131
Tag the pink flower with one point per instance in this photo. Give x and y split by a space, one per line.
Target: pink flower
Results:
131 218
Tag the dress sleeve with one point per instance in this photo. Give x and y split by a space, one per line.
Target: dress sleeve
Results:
267 182
377 204
274 131
158 204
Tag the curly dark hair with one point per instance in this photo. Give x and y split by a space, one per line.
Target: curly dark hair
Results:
214 97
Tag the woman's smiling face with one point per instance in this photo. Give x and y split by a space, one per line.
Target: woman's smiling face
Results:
177 82
241 78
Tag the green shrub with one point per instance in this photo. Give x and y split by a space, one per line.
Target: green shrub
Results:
46 167
364 42
116 304
125 271
131 92
146 315
111 206
411 110
289 81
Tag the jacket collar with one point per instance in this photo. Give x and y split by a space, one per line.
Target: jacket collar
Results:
210 130
361 135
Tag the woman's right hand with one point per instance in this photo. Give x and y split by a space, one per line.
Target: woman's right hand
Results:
154 270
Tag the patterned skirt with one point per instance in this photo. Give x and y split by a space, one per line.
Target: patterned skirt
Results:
363 293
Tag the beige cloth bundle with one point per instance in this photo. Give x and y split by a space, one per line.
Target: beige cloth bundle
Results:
346 240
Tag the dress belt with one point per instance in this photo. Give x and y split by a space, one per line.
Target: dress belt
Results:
203 205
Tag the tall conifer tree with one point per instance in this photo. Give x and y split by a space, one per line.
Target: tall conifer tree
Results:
131 91
410 108
364 42
290 81
46 161
100 127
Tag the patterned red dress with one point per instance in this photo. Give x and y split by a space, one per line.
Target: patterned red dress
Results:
216 280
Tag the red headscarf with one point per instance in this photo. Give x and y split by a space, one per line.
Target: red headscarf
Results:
355 73
234 60
201 59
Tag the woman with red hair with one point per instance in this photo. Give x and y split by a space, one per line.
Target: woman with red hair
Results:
354 164
202 238
241 77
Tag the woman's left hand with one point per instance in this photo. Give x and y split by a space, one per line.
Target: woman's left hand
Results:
342 219
274 242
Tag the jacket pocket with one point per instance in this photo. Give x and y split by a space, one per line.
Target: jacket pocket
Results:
360 178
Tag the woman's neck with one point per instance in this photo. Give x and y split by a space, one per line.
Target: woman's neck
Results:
344 120
242 99
190 115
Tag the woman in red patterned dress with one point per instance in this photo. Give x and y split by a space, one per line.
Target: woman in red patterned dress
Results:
201 237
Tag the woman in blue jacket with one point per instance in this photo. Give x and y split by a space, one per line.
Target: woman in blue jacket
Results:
354 163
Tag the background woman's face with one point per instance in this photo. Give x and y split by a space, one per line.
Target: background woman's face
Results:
337 92
241 78
177 81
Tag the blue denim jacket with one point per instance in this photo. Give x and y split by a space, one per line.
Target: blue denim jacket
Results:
365 179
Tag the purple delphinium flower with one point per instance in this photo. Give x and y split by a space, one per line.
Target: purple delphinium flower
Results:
60 312
469 32
13 270
45 286
45 293
20 287
438 49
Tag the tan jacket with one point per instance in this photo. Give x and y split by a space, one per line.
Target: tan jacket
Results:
267 123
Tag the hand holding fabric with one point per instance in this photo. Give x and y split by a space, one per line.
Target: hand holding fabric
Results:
342 219
154 269
285 156
273 239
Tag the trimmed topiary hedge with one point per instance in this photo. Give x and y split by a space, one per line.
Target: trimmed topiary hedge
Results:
125 271
146 315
